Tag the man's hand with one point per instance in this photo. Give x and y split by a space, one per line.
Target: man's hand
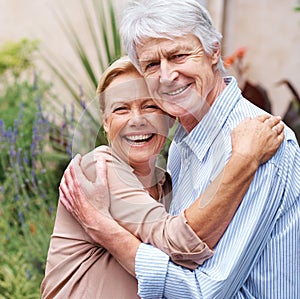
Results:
84 199
89 202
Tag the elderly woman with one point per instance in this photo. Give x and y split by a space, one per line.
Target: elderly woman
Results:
140 193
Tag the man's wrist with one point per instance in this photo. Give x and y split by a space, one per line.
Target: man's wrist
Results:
121 244
151 271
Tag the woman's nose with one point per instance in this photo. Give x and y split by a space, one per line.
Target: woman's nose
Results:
137 119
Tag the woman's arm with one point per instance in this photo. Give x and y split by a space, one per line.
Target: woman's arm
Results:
253 143
208 217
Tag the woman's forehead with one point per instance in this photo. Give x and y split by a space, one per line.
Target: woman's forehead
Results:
127 88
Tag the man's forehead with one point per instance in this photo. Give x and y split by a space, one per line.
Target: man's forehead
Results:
165 47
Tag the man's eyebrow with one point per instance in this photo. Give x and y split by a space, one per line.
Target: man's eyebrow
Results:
172 51
177 50
149 59
165 52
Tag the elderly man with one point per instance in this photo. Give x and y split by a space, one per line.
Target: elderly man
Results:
176 47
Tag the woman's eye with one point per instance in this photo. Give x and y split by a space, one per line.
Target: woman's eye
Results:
151 107
120 109
152 64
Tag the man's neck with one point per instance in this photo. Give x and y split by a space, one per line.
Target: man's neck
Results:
190 121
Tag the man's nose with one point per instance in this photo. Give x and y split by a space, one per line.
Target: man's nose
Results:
167 72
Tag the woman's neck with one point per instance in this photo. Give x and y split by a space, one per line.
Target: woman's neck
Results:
146 174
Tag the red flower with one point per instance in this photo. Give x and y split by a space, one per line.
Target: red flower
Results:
228 61
240 52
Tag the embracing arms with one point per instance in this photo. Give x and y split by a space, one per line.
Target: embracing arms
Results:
223 197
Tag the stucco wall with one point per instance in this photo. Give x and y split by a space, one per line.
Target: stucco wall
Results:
37 19
269 29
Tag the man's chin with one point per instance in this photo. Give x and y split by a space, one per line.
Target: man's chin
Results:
173 109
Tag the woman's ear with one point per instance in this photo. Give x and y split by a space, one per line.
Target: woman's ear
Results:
105 125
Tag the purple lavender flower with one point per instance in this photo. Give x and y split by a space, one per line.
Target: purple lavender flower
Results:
21 217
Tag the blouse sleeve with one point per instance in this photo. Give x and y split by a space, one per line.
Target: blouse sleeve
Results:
134 209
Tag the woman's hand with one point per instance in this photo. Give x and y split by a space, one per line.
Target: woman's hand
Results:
257 139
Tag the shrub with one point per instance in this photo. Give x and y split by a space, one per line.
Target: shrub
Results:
31 165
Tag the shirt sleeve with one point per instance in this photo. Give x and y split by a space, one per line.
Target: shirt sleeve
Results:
266 223
134 209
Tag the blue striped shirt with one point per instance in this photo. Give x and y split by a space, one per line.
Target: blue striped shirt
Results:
259 254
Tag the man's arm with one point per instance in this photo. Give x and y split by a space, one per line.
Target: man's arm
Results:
118 241
233 184
269 214
121 244
228 269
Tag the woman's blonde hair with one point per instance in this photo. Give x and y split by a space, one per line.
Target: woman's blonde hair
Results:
121 66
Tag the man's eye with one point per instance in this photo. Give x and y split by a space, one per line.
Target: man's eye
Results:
178 56
151 65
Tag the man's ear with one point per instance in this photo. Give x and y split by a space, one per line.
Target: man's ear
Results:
216 54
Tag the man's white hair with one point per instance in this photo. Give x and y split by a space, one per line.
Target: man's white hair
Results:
168 19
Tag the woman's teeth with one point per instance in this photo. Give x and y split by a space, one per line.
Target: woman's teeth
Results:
139 138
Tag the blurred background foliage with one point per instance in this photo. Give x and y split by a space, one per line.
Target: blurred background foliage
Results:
36 142
257 94
100 21
30 167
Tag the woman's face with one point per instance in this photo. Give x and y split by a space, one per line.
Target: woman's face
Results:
136 127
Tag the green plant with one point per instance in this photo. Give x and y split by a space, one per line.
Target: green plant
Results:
31 165
28 197
100 24
16 280
16 57
20 85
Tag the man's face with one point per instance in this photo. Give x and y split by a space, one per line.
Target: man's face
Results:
179 73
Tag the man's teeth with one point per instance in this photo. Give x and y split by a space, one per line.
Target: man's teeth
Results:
135 138
175 92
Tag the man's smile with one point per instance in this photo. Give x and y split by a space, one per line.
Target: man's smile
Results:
177 91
